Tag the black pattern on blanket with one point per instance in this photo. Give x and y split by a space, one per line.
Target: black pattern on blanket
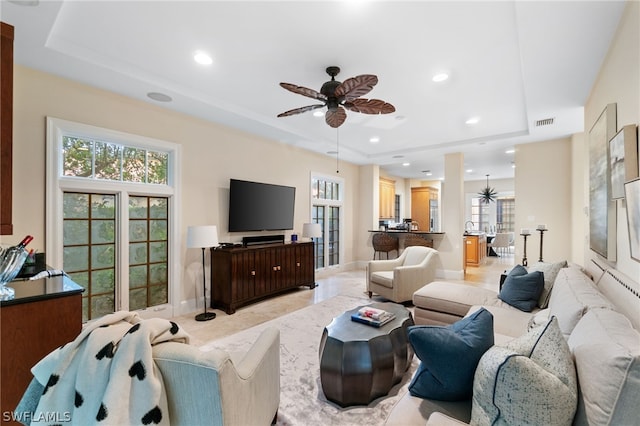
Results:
107 375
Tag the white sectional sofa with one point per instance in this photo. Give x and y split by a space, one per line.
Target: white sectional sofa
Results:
598 313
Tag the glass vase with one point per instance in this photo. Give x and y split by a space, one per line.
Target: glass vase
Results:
11 262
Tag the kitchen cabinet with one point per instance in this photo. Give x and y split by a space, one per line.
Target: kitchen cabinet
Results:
475 249
6 128
424 204
387 198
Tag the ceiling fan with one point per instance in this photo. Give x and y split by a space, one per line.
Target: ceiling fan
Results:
337 95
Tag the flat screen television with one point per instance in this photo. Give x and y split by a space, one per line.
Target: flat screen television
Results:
256 206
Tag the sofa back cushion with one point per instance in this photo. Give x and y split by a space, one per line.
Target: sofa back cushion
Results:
531 380
572 296
606 349
550 272
415 255
623 293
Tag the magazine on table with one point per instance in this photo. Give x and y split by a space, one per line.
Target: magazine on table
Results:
372 316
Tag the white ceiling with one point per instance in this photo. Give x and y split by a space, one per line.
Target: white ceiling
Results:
510 64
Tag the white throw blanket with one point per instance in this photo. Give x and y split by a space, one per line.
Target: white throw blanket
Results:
107 375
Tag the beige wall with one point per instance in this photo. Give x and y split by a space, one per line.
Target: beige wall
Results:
543 194
618 82
211 154
550 185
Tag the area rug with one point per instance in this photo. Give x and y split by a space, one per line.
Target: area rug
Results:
302 401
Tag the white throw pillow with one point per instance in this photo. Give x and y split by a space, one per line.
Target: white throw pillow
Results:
532 380
550 272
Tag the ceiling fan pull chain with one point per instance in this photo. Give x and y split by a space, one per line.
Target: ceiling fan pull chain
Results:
337 150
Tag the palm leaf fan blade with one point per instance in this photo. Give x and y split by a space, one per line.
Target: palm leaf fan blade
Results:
355 87
335 117
370 106
300 110
304 91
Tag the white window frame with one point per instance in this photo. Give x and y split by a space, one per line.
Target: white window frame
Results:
329 203
57 184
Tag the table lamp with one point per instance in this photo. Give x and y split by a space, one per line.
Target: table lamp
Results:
203 237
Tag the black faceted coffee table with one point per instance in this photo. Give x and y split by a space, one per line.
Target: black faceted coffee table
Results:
359 362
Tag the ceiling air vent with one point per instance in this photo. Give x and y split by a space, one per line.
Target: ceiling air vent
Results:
545 122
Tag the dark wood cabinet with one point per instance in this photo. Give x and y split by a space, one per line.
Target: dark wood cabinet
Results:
44 315
243 275
6 128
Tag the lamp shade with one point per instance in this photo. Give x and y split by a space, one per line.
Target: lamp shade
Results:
311 230
202 236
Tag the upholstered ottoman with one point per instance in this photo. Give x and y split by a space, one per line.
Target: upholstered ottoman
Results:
442 303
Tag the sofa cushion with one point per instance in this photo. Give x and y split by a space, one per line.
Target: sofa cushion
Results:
531 380
383 278
606 349
572 296
521 289
449 356
454 298
507 321
550 272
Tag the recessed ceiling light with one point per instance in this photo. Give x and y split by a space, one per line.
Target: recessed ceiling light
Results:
469 170
406 164
398 156
374 139
510 151
318 113
160 97
472 120
202 58
440 77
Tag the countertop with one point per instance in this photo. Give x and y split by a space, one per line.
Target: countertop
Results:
41 289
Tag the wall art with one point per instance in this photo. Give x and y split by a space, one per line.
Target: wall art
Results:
602 209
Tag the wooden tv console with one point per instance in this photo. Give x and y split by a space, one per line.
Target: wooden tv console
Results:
243 275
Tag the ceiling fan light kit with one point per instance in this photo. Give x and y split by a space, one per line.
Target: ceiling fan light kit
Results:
337 96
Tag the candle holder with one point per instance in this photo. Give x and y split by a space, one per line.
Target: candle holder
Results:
524 258
542 231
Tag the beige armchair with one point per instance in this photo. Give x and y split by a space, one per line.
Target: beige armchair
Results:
217 388
212 387
398 279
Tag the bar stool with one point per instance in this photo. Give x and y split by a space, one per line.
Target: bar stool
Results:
416 240
383 243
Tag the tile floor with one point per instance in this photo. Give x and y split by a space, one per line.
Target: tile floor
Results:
351 282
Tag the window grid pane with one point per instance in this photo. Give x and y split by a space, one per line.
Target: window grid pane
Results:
89 259
148 252
109 161
506 214
318 217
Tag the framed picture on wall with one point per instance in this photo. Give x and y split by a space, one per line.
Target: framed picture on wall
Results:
602 209
632 196
623 159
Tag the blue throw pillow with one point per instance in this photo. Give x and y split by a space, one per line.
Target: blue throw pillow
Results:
449 356
521 289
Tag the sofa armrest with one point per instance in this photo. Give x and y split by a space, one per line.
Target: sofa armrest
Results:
250 389
384 265
208 388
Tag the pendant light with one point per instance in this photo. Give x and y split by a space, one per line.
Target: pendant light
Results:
488 194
